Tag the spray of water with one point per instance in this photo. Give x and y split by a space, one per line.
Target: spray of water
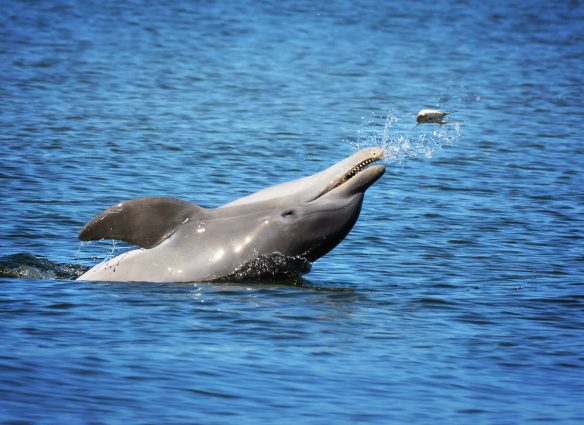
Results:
101 250
400 138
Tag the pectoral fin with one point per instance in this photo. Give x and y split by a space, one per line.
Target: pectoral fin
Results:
145 222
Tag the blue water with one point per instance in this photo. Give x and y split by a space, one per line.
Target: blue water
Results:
457 298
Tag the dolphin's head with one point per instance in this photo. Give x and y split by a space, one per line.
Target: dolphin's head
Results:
303 219
311 229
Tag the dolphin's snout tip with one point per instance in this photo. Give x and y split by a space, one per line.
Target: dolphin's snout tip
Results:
377 153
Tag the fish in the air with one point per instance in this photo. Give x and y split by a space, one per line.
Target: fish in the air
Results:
431 116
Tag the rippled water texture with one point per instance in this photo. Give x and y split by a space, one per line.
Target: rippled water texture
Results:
458 296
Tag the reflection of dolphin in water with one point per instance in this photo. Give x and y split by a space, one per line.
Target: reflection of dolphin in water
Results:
302 220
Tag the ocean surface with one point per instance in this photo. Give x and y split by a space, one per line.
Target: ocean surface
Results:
458 298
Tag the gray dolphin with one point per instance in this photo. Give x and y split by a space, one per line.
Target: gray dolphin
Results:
300 220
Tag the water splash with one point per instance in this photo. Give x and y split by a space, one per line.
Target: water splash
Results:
397 134
93 252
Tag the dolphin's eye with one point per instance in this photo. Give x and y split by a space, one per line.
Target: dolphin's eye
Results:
288 214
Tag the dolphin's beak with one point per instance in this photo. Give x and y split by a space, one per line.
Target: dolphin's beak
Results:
365 179
350 167
358 183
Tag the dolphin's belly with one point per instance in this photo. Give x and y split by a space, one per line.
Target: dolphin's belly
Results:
129 266
165 263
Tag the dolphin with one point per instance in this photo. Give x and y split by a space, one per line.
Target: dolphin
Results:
278 231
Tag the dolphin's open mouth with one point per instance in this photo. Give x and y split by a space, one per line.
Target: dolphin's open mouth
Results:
356 170
372 155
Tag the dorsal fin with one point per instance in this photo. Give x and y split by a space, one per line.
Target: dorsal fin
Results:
144 222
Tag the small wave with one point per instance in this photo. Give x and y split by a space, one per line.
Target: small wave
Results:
28 266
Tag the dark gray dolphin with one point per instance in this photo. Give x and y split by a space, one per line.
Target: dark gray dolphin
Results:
182 242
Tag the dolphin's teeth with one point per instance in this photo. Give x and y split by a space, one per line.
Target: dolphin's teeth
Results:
356 170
